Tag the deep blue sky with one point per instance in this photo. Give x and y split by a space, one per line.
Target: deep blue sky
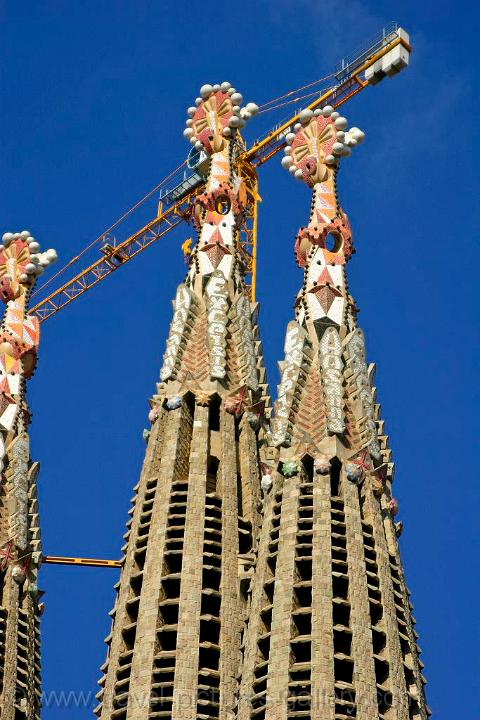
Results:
93 99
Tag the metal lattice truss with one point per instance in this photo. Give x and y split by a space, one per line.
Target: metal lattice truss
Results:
385 55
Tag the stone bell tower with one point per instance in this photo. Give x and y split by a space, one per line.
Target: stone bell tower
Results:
174 646
261 572
330 632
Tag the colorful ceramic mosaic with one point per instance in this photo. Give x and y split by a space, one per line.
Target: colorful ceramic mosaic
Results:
330 393
21 262
212 305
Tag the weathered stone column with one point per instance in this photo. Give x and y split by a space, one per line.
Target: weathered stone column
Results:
363 664
373 515
186 673
257 604
175 443
322 678
277 685
115 640
230 613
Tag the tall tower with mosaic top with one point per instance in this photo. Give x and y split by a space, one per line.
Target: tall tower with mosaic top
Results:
330 632
174 648
261 572
21 262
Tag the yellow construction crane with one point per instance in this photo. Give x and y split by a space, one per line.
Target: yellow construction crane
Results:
385 55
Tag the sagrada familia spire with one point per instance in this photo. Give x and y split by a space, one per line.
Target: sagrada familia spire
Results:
261 576
183 596
330 632
261 571
21 262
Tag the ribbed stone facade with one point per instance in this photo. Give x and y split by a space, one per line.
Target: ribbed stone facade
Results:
20 606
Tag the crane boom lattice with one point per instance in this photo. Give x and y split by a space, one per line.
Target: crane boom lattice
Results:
384 55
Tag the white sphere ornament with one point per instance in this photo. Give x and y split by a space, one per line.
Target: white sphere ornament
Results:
191 111
335 115
330 160
305 116
18 574
286 162
231 90
346 152
187 133
30 268
327 110
23 278
198 145
206 91
236 109
234 122
225 86
216 87
242 122
7 237
340 135
297 126
52 255
341 123
252 108
198 100
25 233
290 138
299 174
193 139
226 132
237 98
34 247
189 122
292 169
358 134
266 483
337 148
287 149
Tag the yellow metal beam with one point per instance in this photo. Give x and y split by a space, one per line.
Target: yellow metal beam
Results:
335 96
86 562
114 257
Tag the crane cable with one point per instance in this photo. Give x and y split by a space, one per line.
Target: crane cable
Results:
289 102
266 107
112 227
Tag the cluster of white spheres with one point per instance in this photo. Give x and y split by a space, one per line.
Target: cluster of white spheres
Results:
238 120
38 261
344 140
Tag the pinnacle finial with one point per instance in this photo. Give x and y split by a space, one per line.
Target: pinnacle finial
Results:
217 115
29 262
320 139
